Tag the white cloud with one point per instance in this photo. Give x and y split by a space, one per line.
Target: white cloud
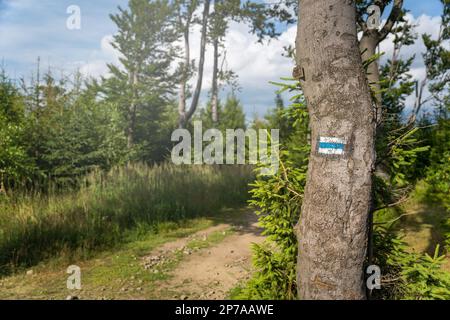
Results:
29 30
96 66
255 64
423 24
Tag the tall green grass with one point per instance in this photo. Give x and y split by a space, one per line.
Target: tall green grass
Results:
108 206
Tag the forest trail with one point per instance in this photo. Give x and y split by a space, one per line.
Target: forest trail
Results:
204 259
210 272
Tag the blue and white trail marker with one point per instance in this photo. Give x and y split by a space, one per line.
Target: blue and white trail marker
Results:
331 146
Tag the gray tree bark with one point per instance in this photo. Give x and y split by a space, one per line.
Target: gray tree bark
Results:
186 115
368 46
184 76
215 84
333 228
132 110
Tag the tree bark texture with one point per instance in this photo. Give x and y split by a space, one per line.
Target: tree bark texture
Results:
333 228
368 46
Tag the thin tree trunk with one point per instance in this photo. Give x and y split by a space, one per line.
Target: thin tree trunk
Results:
369 42
184 77
418 102
132 110
215 85
368 46
333 228
201 63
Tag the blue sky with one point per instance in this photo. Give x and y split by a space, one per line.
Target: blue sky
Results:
31 28
428 7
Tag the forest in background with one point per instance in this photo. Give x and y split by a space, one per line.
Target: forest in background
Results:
84 161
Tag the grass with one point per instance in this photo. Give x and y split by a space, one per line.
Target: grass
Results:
236 292
113 274
422 223
116 207
426 225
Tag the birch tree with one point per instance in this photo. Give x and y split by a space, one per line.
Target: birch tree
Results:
186 18
214 26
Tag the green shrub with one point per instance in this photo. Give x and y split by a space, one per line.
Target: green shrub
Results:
408 275
439 180
277 200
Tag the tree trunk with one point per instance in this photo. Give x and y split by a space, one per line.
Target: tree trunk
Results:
132 110
184 77
215 85
368 46
333 228
369 42
201 65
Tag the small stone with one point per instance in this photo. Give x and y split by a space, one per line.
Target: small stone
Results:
72 298
30 272
124 289
139 289
183 297
232 251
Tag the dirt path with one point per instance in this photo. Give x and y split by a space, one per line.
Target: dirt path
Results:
209 272
183 263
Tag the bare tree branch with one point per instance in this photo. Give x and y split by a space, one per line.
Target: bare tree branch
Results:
395 14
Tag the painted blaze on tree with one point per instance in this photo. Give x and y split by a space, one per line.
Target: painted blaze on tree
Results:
333 228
